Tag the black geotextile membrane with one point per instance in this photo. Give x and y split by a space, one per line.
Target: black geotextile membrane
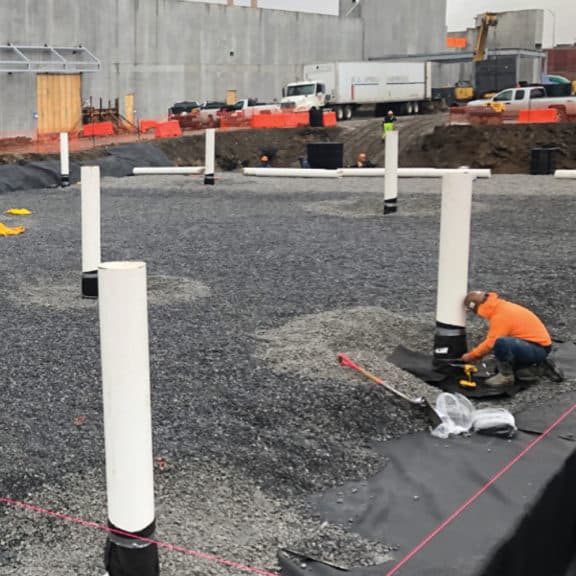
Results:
524 523
116 161
563 358
447 378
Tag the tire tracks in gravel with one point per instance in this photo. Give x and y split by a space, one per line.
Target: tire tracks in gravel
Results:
365 135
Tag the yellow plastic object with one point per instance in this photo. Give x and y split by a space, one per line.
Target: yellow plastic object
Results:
462 93
18 211
6 231
497 106
469 369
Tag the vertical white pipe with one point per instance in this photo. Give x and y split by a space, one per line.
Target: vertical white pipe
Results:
126 390
64 160
391 174
453 265
210 156
90 203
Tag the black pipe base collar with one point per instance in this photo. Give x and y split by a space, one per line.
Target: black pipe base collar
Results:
90 284
391 206
449 342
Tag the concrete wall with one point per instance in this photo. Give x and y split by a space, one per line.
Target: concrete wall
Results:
403 28
516 29
169 50
163 51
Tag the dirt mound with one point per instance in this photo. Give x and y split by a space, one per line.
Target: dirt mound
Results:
504 149
241 148
425 141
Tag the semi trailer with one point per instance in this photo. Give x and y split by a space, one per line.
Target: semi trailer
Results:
404 87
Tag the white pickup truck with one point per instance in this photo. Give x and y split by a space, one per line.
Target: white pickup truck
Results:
250 106
527 98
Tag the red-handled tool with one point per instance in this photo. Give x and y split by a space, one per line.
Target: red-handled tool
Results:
419 402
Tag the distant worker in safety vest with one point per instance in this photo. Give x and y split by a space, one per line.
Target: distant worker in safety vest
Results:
388 123
518 338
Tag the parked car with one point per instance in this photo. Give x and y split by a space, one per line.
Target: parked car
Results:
184 107
212 105
251 105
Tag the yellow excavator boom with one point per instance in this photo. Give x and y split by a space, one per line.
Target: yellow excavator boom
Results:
488 19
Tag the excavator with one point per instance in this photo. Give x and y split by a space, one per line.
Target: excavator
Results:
487 20
463 90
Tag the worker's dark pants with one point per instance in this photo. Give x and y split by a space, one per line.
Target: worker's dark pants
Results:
519 353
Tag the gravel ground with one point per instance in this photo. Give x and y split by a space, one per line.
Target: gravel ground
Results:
255 285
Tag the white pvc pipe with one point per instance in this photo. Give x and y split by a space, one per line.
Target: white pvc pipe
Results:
159 170
565 174
90 206
440 172
210 155
64 160
391 172
363 172
292 172
454 249
126 390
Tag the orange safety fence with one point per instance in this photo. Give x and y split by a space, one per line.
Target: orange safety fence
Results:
546 116
98 129
482 115
170 129
108 134
146 125
329 119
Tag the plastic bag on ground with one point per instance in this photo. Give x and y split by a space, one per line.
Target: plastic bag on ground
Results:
456 412
460 417
494 422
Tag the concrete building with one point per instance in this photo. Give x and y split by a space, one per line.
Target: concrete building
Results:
152 53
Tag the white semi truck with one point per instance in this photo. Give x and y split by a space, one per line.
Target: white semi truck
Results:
404 87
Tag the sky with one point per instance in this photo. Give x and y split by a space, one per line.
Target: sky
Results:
559 15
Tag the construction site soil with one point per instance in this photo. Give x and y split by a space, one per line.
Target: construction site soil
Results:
425 140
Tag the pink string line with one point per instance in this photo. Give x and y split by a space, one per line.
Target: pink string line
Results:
479 493
262 572
166 545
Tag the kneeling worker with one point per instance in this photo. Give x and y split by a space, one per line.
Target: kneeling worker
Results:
517 336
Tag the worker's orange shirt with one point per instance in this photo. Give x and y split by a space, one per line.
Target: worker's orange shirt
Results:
508 319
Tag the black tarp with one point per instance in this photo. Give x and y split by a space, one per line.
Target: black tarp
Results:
446 377
523 524
562 364
116 161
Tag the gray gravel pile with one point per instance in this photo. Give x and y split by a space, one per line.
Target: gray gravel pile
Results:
255 285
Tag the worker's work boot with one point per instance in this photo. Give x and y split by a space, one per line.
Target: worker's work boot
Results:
529 375
504 377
